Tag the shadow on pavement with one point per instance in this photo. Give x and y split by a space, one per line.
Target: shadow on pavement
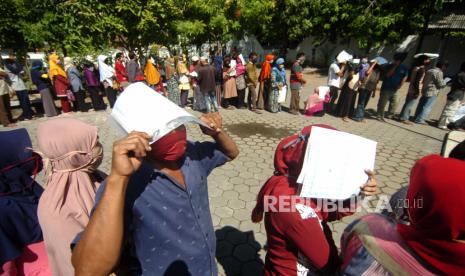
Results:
237 252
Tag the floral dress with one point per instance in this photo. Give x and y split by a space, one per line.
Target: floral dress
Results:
277 82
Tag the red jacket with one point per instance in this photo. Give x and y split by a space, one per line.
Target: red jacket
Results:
120 72
61 85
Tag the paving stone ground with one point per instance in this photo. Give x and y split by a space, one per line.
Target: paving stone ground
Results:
234 186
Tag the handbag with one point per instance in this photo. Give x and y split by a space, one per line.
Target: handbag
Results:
282 94
70 96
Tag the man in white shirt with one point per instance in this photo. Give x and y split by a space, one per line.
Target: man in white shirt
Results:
336 71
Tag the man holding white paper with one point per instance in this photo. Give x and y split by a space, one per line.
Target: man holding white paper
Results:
155 202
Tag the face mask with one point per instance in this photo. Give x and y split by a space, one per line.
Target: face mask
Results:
170 147
364 60
301 60
281 66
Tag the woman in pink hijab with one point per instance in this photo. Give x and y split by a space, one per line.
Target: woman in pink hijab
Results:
71 153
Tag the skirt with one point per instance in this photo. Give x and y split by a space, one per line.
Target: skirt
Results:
173 91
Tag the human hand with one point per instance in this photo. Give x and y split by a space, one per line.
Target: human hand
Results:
214 121
128 153
370 187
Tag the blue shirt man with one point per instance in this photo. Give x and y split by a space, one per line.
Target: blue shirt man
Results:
156 209
395 76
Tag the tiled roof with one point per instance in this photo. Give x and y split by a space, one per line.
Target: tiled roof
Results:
451 21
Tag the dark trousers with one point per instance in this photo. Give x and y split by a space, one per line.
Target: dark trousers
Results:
23 97
241 98
363 98
80 103
334 93
96 98
111 95
184 95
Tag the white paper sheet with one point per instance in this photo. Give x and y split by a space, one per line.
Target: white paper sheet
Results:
282 94
343 56
322 91
447 79
140 108
334 164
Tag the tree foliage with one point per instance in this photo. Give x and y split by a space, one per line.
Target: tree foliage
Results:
84 26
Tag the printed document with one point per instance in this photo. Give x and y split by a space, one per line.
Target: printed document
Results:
335 163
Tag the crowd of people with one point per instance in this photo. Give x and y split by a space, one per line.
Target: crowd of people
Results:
225 81
426 83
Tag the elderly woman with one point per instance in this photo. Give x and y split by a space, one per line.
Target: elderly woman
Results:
74 77
60 82
22 250
431 244
72 154
278 81
299 241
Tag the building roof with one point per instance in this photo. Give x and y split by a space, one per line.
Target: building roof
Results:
452 21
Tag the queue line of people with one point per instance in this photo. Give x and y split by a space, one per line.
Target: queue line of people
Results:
352 79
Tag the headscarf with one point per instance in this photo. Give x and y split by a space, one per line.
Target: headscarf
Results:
169 68
152 76
281 71
181 67
19 194
37 65
67 62
71 152
437 218
266 67
106 71
54 68
240 65
288 162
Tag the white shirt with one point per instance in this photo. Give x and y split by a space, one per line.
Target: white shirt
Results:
333 78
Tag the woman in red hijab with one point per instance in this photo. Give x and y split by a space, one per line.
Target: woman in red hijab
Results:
265 78
299 239
434 241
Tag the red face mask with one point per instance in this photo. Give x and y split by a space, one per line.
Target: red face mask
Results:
170 147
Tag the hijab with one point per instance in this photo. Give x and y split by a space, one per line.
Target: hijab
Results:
288 162
37 65
54 68
266 67
106 71
68 63
19 194
437 218
71 154
152 76
181 67
169 68
280 71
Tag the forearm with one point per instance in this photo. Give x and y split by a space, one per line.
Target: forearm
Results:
98 251
227 145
